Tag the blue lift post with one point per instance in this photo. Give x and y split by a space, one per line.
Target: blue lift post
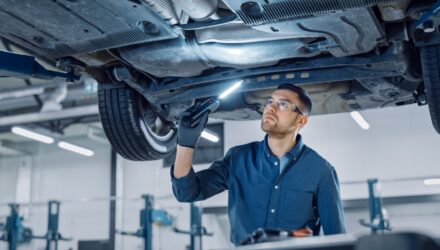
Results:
148 216
23 66
378 223
196 227
197 231
147 222
52 225
13 227
53 235
14 232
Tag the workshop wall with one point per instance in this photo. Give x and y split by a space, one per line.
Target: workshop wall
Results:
65 176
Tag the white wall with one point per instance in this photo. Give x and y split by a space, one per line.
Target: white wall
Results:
61 175
400 144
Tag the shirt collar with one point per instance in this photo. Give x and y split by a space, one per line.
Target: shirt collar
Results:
294 152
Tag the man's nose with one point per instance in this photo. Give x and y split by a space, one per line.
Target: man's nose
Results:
271 107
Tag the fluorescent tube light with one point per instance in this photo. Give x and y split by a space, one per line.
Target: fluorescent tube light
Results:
32 135
210 137
230 90
357 117
75 148
432 182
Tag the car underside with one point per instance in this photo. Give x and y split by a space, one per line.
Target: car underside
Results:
155 58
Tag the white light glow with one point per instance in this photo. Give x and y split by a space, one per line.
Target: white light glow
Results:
32 135
432 182
209 136
357 117
230 90
75 148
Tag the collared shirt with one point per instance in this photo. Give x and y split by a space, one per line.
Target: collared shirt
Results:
283 161
306 193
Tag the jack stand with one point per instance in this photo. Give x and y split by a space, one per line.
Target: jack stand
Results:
378 223
15 233
197 230
148 216
53 235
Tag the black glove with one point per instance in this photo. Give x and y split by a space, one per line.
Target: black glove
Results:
187 135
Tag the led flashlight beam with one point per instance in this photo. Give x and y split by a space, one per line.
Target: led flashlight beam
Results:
212 104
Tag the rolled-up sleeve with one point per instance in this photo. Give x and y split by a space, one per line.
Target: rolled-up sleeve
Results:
329 204
203 184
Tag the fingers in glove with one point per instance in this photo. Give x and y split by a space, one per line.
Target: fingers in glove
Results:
204 119
201 121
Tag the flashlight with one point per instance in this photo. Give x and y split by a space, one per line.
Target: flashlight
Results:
212 104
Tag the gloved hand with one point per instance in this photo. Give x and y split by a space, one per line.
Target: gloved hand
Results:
188 135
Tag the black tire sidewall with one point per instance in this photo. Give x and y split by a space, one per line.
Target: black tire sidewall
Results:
121 115
430 56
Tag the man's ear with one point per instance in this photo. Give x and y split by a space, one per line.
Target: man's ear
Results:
303 121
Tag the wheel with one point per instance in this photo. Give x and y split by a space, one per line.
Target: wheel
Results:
430 56
135 131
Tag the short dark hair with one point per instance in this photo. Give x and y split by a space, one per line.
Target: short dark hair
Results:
303 95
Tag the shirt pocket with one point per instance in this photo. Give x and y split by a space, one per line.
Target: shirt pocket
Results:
298 207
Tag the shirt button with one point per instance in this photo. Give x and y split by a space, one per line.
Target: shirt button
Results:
276 186
272 210
276 163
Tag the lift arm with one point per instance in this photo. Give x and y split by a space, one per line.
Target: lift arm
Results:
23 66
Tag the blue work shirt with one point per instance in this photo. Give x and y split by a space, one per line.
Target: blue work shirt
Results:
306 193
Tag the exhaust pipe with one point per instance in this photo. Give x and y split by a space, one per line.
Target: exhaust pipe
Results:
182 58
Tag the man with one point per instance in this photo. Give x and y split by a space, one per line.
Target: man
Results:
277 183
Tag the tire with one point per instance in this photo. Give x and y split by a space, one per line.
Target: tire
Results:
430 56
133 129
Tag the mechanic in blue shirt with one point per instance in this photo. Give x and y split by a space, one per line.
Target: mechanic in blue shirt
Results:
277 183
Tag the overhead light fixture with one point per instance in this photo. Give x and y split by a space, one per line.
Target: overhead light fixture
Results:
432 182
75 148
230 90
210 137
357 117
32 135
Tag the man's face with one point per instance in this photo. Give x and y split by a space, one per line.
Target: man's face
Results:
280 123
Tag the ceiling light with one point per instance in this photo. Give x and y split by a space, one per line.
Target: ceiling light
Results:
32 135
75 148
230 90
209 136
432 182
357 117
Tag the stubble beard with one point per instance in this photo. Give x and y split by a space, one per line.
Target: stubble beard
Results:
271 129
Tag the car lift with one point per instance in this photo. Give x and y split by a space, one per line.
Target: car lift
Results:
197 230
424 29
53 235
378 223
148 216
15 233
24 66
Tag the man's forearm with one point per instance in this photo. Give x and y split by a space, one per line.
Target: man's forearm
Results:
183 162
